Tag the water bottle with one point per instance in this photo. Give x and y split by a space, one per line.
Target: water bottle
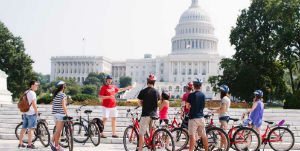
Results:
281 123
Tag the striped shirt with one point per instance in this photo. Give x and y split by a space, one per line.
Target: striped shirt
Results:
57 108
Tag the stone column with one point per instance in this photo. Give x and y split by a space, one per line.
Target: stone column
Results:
5 95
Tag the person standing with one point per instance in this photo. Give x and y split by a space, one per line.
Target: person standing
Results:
196 104
164 107
189 89
109 105
59 111
30 117
148 99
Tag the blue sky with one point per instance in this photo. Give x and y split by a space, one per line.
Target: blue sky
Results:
116 29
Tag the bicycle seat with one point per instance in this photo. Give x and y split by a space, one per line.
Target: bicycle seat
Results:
88 111
269 122
207 116
234 119
68 118
154 117
42 120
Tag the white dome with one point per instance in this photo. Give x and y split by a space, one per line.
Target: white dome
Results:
194 33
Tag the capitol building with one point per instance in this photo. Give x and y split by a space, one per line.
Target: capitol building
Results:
194 54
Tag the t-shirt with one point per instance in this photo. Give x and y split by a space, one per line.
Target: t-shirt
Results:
57 108
257 115
197 101
109 90
150 97
31 96
226 101
184 99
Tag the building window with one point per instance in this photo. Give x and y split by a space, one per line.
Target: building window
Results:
207 89
190 71
82 79
196 72
175 72
203 72
177 89
174 79
78 79
183 71
161 71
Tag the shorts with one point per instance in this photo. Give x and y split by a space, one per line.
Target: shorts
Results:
109 112
197 125
144 124
224 119
58 118
165 120
30 121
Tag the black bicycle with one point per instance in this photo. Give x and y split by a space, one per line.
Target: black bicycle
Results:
85 129
66 138
41 132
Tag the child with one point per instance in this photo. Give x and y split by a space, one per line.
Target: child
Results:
59 111
164 107
257 111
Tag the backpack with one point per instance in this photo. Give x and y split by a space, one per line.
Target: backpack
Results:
23 104
99 123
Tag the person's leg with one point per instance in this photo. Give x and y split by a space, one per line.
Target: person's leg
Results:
113 126
59 125
223 139
192 128
202 132
30 134
21 136
192 143
105 116
32 122
144 125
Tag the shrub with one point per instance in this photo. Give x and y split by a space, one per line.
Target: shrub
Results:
83 97
46 99
292 101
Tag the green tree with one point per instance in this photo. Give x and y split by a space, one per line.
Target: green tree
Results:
89 89
72 87
95 78
15 62
125 81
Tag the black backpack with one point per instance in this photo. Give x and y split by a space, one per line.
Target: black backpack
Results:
99 123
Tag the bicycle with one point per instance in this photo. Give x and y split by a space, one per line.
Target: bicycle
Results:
215 135
82 132
275 133
180 134
66 138
41 132
159 138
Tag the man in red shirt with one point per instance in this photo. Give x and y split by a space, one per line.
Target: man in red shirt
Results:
189 89
107 95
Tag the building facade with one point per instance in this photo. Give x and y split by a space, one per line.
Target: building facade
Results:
194 55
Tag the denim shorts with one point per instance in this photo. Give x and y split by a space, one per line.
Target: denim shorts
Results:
30 121
224 119
58 118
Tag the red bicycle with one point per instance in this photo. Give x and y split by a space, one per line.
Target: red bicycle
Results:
279 138
159 139
180 133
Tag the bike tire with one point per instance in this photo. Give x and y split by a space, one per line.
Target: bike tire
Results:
43 130
94 131
18 130
180 131
285 129
156 139
134 134
256 135
69 135
80 133
220 132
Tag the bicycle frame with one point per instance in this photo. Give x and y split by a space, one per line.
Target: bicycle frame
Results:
265 139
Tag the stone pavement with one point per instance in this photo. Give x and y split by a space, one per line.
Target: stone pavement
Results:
11 145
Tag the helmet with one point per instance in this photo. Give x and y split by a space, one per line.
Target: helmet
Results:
190 85
108 77
59 82
197 80
151 77
224 88
259 93
165 92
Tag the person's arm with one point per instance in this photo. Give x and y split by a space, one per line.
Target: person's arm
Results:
140 102
188 105
162 105
251 110
106 97
124 89
64 101
35 107
220 110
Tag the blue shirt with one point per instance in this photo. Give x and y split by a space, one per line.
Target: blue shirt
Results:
257 115
197 102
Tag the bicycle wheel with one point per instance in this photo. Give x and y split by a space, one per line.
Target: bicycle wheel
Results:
69 136
43 134
281 139
246 138
162 140
80 133
130 139
94 134
231 137
180 137
217 139
62 140
25 137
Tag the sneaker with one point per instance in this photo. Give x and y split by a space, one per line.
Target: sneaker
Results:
115 136
103 136
21 146
31 147
58 148
52 146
